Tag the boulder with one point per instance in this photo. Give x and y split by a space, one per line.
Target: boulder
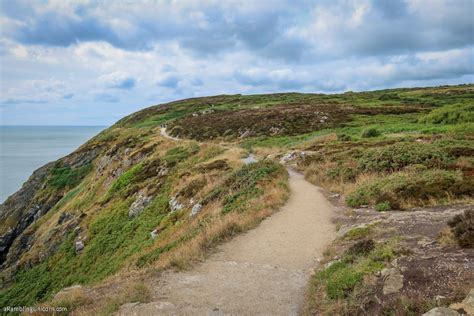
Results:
441 311
154 233
393 281
467 304
79 245
139 204
196 209
174 204
64 217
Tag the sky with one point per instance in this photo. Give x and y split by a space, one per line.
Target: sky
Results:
92 62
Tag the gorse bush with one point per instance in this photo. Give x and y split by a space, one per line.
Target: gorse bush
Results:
404 188
396 157
450 114
370 132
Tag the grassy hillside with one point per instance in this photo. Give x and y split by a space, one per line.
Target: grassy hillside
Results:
132 200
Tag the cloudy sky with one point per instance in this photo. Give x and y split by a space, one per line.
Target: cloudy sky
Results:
92 62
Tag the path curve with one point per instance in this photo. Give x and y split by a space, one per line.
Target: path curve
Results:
261 272
165 134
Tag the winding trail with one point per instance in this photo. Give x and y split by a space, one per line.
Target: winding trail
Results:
165 134
261 272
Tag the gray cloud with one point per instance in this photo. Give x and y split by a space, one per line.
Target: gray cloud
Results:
117 56
170 81
125 83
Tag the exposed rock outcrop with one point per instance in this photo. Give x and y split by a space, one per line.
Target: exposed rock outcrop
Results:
139 204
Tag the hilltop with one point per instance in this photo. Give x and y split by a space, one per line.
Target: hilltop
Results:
130 203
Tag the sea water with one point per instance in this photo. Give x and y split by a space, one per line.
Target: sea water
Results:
23 149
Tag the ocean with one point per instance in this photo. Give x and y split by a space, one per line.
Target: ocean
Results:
23 149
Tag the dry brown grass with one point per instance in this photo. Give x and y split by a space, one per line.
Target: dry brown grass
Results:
215 228
316 174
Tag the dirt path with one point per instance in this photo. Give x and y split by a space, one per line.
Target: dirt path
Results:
261 272
164 133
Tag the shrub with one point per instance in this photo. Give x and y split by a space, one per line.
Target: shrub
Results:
362 247
370 132
462 226
450 114
343 173
358 232
389 96
398 156
344 138
404 188
383 206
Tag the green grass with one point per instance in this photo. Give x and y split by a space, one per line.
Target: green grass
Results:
450 114
245 184
359 232
124 180
343 276
67 177
113 238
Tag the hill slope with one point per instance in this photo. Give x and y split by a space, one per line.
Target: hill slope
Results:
131 200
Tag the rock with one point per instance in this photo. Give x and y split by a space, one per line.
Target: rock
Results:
243 134
467 304
335 196
139 204
163 172
64 217
441 311
154 233
66 293
175 205
79 245
393 281
104 161
196 208
288 157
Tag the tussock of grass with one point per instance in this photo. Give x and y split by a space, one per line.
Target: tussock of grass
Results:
334 289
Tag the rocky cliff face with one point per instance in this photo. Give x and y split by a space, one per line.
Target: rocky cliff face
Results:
35 199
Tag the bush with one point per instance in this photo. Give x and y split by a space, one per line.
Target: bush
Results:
462 226
362 247
450 114
370 132
410 188
396 157
389 96
383 206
